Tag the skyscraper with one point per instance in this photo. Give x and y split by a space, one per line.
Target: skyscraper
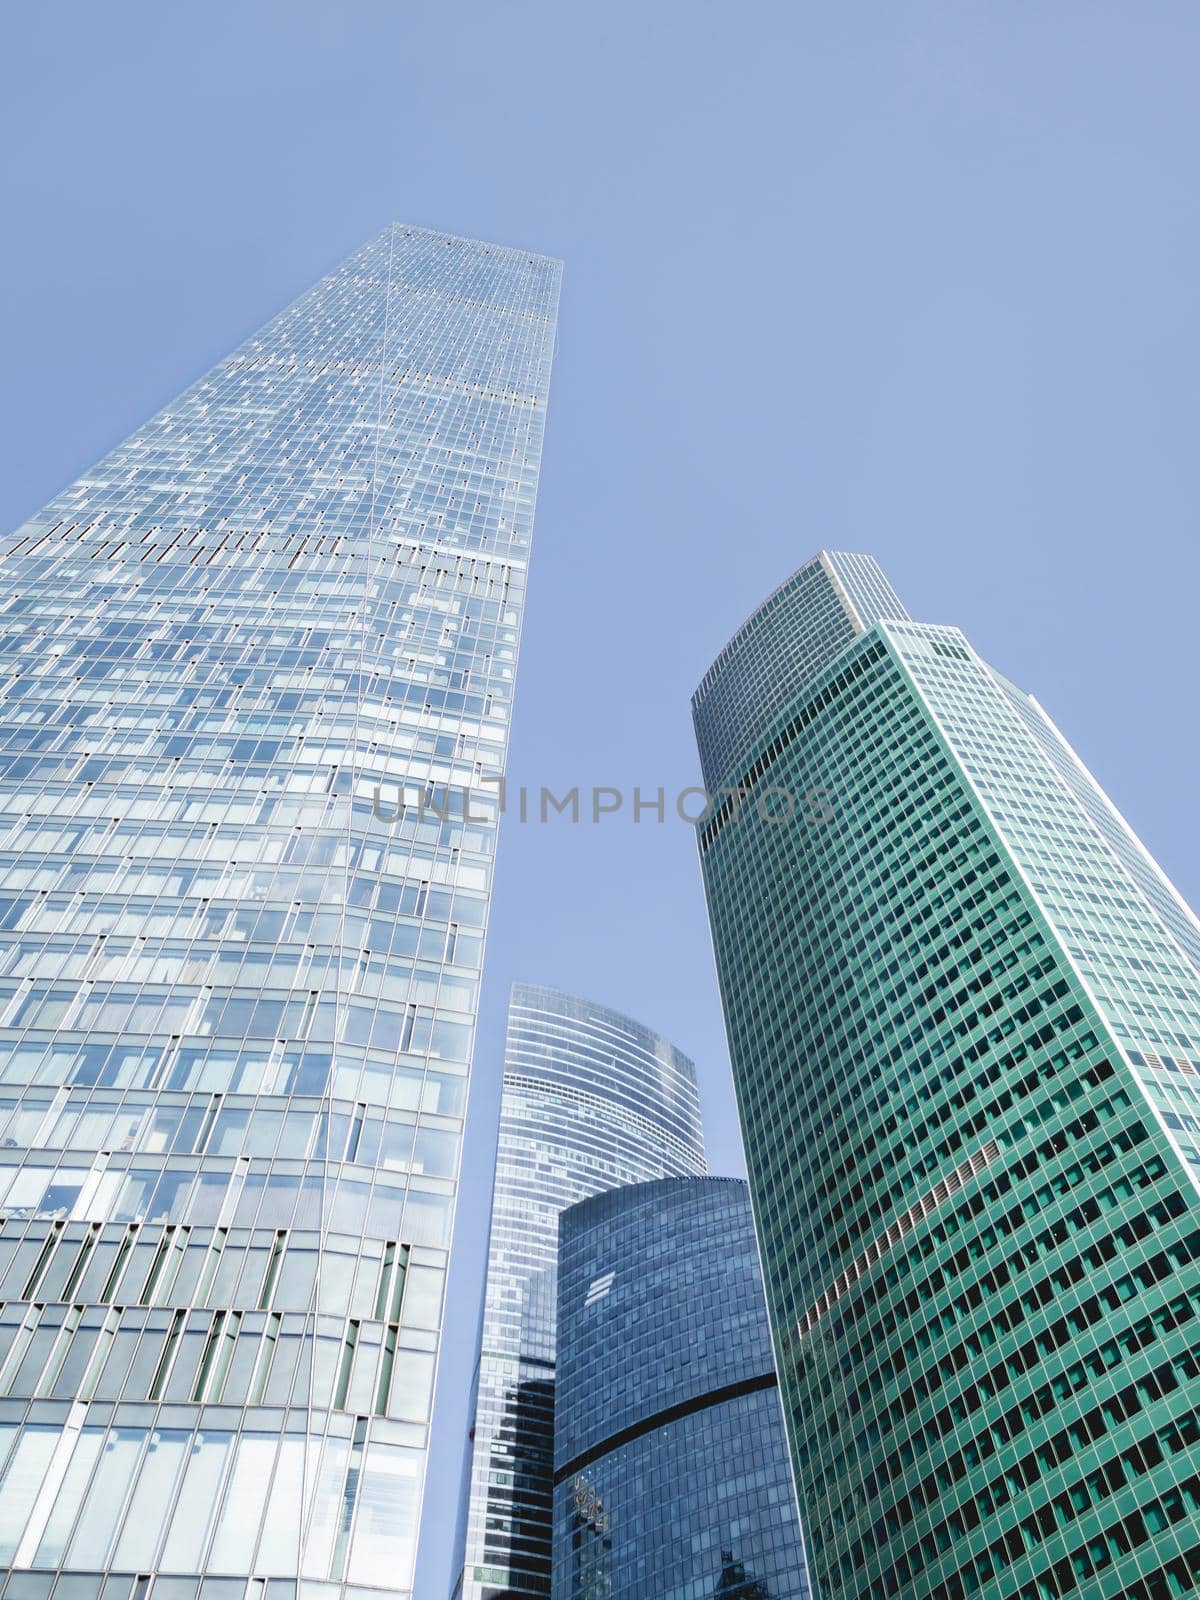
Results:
249 661
671 1472
964 1011
590 1099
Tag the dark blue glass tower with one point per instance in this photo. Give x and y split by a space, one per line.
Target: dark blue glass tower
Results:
591 1100
671 1470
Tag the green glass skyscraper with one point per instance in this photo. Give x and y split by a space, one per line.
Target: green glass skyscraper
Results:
963 1006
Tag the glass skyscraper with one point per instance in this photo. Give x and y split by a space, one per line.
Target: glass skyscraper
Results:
590 1099
963 1005
671 1464
249 661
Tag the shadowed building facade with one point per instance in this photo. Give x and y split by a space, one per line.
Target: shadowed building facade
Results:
964 1014
237 985
671 1464
591 1099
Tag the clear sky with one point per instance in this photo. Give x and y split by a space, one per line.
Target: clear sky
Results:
918 279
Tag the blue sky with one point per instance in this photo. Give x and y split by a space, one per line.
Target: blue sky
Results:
917 279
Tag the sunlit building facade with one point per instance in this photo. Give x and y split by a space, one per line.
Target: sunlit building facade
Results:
591 1099
249 661
963 1007
671 1465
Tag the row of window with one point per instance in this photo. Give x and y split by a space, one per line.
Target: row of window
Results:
235 1267
225 1357
218 1125
898 1328
135 1497
408 1083
204 1192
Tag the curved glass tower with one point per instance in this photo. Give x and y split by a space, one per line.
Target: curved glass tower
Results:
591 1099
671 1466
249 660
963 1005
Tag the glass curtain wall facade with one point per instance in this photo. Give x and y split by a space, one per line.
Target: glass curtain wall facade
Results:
239 958
964 1011
590 1099
671 1462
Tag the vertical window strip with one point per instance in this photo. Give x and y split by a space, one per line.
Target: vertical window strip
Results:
87 1246
104 1343
266 1357
58 1354
211 1345
42 1262
225 1354
349 1346
209 1270
390 1339
337 1560
389 1258
170 1344
146 1296
118 1266
274 1263
20 1345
